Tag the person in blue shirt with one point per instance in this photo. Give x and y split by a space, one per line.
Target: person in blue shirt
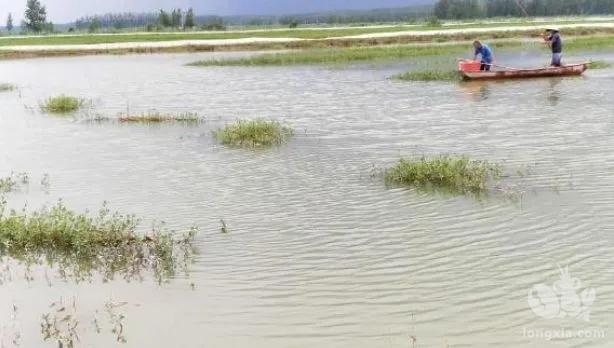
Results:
556 44
485 54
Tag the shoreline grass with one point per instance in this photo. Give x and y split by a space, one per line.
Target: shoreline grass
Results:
107 243
254 133
459 175
337 55
62 104
429 75
599 64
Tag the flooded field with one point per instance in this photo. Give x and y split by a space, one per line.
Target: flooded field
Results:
319 252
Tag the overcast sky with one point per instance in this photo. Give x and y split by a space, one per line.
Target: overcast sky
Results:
60 11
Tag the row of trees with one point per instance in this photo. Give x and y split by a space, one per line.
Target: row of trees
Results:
462 9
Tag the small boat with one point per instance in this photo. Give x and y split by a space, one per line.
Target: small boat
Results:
469 72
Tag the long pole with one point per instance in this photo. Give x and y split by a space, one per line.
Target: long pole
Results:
522 8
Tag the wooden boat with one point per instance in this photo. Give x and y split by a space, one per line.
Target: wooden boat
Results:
511 73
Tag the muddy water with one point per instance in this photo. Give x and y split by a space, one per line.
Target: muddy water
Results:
321 253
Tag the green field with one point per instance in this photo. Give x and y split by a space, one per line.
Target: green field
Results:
301 33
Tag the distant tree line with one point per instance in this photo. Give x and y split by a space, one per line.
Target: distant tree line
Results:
36 21
177 18
386 15
463 9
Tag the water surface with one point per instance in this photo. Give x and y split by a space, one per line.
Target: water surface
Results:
320 252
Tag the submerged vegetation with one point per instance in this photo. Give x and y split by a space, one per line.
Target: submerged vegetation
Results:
455 174
13 182
254 133
107 243
157 117
6 87
429 75
62 104
61 325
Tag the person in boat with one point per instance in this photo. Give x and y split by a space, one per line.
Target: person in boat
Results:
553 38
485 54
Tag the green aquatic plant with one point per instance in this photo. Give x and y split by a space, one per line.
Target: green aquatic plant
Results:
6 87
158 117
429 75
254 133
455 174
80 244
224 228
600 64
62 104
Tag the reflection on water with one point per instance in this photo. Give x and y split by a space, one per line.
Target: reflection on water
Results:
476 90
319 253
553 92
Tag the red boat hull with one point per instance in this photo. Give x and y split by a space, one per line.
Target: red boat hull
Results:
567 70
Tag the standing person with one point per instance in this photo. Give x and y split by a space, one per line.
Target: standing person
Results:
485 54
556 44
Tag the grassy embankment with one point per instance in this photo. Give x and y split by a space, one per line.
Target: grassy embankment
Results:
300 33
306 38
383 53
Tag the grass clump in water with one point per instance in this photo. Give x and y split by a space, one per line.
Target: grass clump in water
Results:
7 87
62 104
107 243
600 64
429 75
157 117
455 174
254 133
